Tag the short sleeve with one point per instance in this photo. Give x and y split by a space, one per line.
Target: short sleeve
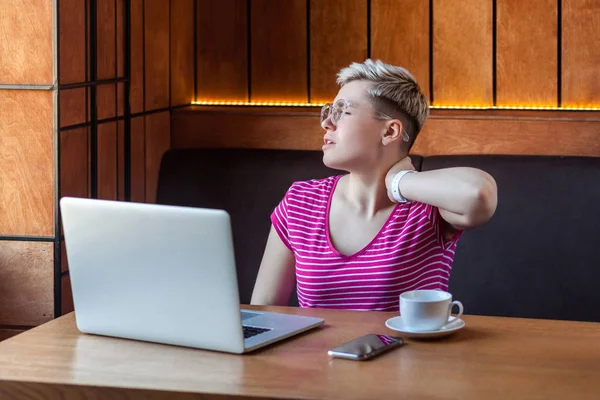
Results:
279 219
439 225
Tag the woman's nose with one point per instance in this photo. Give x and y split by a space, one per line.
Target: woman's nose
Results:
327 124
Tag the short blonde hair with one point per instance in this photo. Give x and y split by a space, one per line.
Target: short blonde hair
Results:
394 91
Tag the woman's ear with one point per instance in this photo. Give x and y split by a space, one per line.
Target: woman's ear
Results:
392 132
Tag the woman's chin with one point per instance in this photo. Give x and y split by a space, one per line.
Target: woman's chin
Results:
333 162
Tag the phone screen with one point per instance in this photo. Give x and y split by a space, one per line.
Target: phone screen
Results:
365 347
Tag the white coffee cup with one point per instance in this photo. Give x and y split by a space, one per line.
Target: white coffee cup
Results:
427 310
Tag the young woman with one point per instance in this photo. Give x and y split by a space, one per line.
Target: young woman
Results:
358 240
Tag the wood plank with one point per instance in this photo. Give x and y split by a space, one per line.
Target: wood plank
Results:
64 262
36 390
136 94
540 358
462 52
105 101
72 41
72 106
182 52
106 34
509 136
222 53
338 36
526 34
156 60
74 163
120 39
121 160
120 99
279 28
66 295
26 162
158 140
138 159
247 130
26 55
444 133
107 161
400 36
26 283
580 53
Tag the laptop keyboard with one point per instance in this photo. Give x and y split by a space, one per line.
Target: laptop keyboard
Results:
250 331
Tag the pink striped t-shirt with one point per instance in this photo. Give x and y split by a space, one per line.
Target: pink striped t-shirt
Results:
408 253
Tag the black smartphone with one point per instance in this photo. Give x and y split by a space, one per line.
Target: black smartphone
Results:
365 347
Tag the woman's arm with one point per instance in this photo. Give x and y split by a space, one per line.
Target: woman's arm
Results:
276 276
466 197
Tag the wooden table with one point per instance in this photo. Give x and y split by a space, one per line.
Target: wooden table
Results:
491 358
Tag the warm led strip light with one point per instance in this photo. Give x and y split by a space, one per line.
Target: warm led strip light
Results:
542 108
258 103
292 104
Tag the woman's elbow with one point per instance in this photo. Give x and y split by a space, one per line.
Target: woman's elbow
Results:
484 200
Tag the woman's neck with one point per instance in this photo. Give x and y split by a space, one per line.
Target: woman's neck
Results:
365 192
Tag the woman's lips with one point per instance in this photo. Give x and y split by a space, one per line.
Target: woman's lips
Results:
328 143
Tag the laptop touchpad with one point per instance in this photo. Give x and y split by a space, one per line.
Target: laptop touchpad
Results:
248 314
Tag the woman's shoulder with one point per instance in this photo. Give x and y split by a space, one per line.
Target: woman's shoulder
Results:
313 187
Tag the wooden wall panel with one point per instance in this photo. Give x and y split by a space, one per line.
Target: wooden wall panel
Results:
64 263
138 159
120 12
66 295
105 100
121 160
158 140
72 41
107 161
222 53
182 52
26 42
120 99
156 60
527 53
136 94
74 163
400 36
278 51
268 129
120 38
445 133
106 36
581 53
26 289
338 36
461 58
462 52
509 136
26 163
72 106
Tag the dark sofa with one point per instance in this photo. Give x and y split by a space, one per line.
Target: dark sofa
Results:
538 257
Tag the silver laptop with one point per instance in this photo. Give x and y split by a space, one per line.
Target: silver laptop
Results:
163 274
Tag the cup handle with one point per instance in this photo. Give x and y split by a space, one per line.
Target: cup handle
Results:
460 309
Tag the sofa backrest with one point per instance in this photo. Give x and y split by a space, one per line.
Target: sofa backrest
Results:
247 183
537 257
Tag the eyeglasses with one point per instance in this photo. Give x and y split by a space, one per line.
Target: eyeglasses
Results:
335 110
338 109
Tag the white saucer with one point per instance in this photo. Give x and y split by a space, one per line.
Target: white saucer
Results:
454 324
